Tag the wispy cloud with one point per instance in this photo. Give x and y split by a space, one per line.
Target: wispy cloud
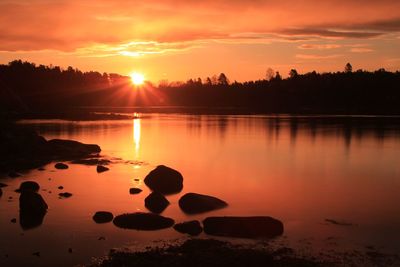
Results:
317 57
319 46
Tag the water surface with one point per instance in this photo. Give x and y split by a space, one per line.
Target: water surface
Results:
302 170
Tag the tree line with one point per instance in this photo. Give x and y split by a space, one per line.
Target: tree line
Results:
26 87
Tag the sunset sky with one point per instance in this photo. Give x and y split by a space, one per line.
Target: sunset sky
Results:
182 39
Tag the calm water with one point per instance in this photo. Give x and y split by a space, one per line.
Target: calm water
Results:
301 170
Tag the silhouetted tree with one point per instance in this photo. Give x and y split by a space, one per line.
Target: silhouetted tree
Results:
278 77
269 75
222 79
348 68
293 73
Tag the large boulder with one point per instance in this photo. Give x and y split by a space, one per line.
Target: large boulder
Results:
29 186
164 180
103 217
32 209
191 228
243 227
156 202
193 203
142 221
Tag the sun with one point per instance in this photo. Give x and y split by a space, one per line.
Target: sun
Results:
137 78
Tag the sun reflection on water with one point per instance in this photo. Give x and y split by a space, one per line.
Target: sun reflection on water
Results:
136 136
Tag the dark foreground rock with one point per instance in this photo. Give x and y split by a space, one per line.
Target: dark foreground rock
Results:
24 149
193 203
192 228
134 191
164 180
210 253
29 186
61 166
142 221
156 202
245 227
32 209
101 169
103 217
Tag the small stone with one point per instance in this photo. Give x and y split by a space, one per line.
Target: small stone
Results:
13 220
65 195
103 217
37 254
102 238
61 166
192 228
61 187
156 202
133 191
101 169
70 250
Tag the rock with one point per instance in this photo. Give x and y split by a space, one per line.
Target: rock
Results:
71 149
32 209
29 186
142 221
37 254
164 180
93 161
193 203
244 227
101 169
133 191
103 217
61 187
156 202
191 228
65 195
14 174
61 166
3 185
13 220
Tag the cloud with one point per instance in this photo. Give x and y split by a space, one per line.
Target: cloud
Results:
319 46
316 57
361 50
72 25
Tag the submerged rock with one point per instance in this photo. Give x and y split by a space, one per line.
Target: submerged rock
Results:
65 195
14 174
32 209
101 168
142 221
134 191
156 202
164 180
29 186
191 228
244 227
93 161
61 166
103 217
193 203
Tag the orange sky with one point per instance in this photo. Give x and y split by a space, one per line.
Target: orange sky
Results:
178 40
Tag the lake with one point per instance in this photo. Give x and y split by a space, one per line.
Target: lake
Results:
334 181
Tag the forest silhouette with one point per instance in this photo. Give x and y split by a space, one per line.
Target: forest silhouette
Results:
27 88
